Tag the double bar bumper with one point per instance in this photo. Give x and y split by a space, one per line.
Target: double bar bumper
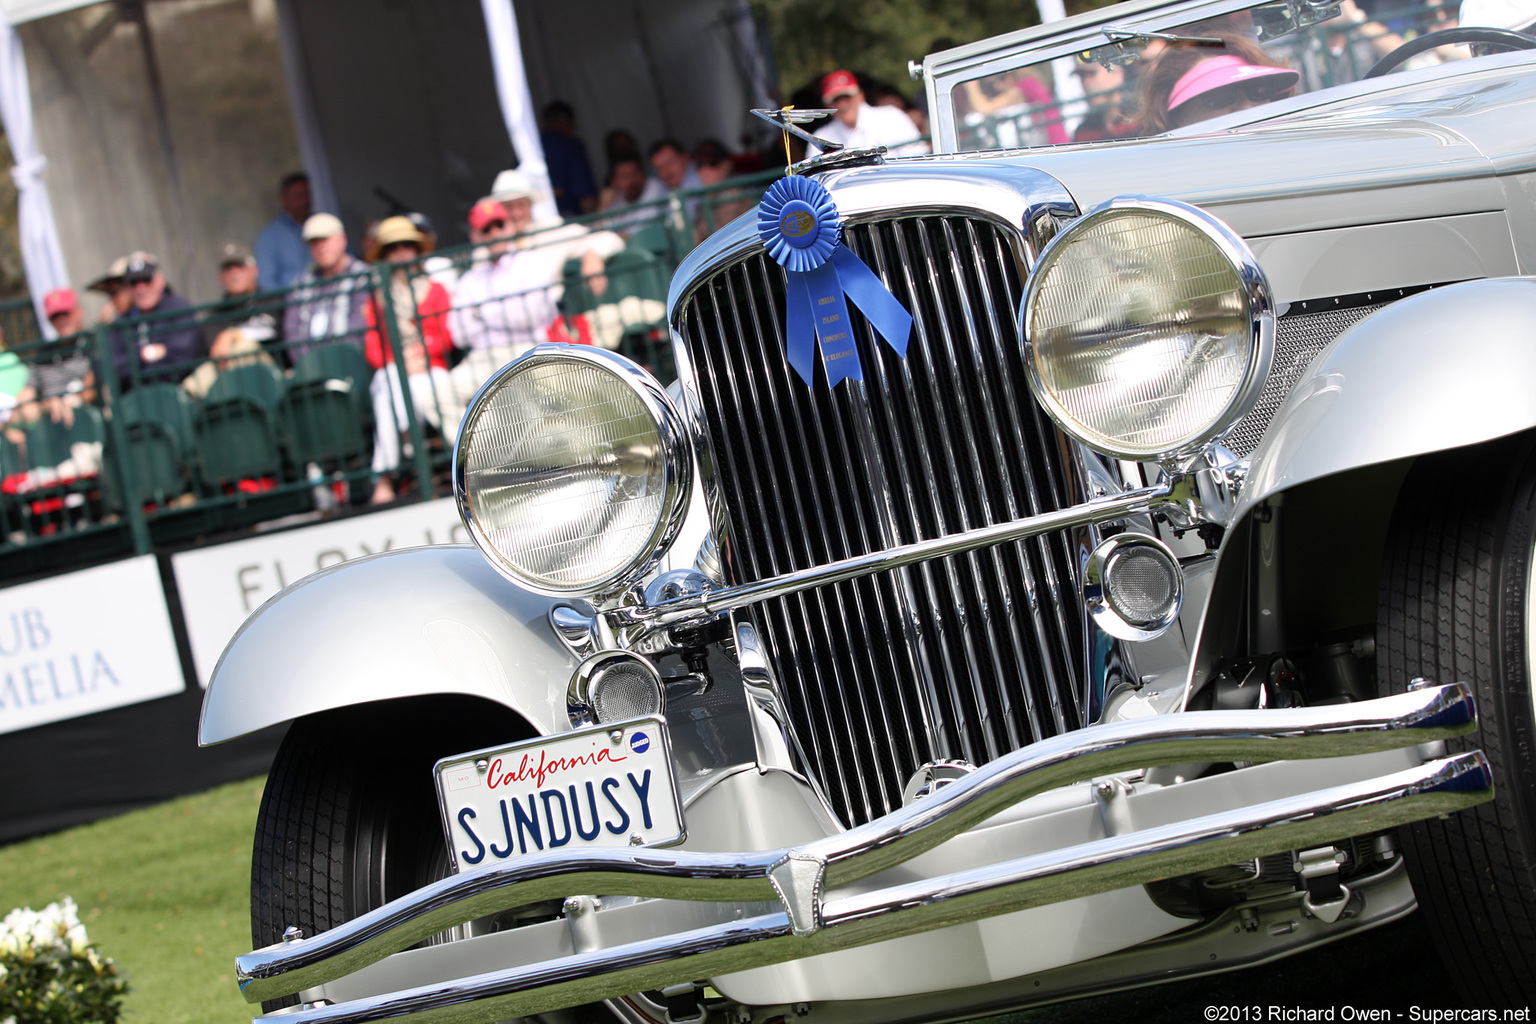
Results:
815 919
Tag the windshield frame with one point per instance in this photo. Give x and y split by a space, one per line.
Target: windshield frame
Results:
945 70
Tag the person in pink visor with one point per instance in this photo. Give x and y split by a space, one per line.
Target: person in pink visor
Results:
1190 83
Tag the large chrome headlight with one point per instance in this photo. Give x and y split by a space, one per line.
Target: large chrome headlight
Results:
1149 328
572 471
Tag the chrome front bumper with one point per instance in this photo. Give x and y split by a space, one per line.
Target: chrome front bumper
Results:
811 917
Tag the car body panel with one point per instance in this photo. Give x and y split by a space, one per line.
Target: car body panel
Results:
396 624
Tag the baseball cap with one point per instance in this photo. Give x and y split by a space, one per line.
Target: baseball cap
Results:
233 254
322 225
513 184
486 211
140 265
1226 70
1515 15
60 300
838 83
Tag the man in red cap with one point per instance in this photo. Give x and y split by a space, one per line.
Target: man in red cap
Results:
62 308
859 125
61 374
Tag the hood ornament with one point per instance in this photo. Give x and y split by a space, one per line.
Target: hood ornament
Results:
789 120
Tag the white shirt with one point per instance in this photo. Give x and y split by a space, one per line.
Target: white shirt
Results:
624 221
877 126
509 300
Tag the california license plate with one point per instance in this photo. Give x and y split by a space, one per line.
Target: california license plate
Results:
610 785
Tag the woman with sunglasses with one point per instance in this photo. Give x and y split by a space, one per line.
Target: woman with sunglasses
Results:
1191 82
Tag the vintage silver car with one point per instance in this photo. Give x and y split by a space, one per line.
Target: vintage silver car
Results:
1125 626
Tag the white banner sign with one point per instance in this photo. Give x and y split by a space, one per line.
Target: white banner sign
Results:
83 642
222 585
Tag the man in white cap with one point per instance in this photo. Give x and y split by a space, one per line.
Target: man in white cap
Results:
505 303
331 295
1511 15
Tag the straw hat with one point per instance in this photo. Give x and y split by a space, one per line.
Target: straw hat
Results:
393 230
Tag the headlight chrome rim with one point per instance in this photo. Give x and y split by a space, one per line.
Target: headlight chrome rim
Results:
672 436
1252 284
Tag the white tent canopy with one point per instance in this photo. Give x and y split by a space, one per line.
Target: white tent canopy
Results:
415 102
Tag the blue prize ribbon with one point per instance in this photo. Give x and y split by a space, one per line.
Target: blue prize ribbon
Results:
799 226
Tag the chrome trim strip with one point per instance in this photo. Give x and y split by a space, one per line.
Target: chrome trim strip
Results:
699 607
1437 787
1387 723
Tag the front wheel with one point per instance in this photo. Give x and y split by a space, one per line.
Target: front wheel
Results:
1457 605
349 817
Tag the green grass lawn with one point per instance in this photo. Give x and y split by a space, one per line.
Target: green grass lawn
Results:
163 891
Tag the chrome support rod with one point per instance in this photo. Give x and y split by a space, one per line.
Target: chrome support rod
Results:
1437 787
698 607
1387 723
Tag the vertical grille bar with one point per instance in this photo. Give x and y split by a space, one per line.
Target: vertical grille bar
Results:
784 395
955 657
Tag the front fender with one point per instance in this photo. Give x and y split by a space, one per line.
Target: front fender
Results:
398 624
1442 369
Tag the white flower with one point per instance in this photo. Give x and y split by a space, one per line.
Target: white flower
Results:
55 929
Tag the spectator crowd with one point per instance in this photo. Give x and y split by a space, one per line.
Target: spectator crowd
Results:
305 285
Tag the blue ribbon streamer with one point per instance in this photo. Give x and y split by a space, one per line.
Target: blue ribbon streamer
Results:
799 226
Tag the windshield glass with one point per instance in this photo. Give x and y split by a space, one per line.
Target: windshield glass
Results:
1130 82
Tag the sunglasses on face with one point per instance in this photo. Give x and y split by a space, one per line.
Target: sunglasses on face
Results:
134 282
495 225
1254 92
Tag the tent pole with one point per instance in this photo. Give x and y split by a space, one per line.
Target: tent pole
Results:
134 11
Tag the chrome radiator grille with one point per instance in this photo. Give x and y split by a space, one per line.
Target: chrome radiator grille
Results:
964 657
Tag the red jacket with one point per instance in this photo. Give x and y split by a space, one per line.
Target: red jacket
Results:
431 320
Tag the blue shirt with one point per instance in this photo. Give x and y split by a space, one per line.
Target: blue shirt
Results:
569 172
281 254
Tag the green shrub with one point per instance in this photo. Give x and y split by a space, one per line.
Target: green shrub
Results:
51 973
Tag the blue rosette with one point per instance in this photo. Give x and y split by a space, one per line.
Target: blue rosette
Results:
799 226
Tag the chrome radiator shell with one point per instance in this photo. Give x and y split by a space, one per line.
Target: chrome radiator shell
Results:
966 657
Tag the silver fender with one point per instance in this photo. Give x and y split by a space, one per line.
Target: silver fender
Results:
1442 369
1438 370
398 624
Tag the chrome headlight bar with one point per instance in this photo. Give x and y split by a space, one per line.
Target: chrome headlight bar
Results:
1176 493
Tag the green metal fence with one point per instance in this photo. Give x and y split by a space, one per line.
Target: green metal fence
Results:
201 422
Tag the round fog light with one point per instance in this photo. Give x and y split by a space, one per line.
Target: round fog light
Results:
1133 587
612 686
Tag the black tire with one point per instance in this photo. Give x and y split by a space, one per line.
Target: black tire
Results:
349 817
1455 606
